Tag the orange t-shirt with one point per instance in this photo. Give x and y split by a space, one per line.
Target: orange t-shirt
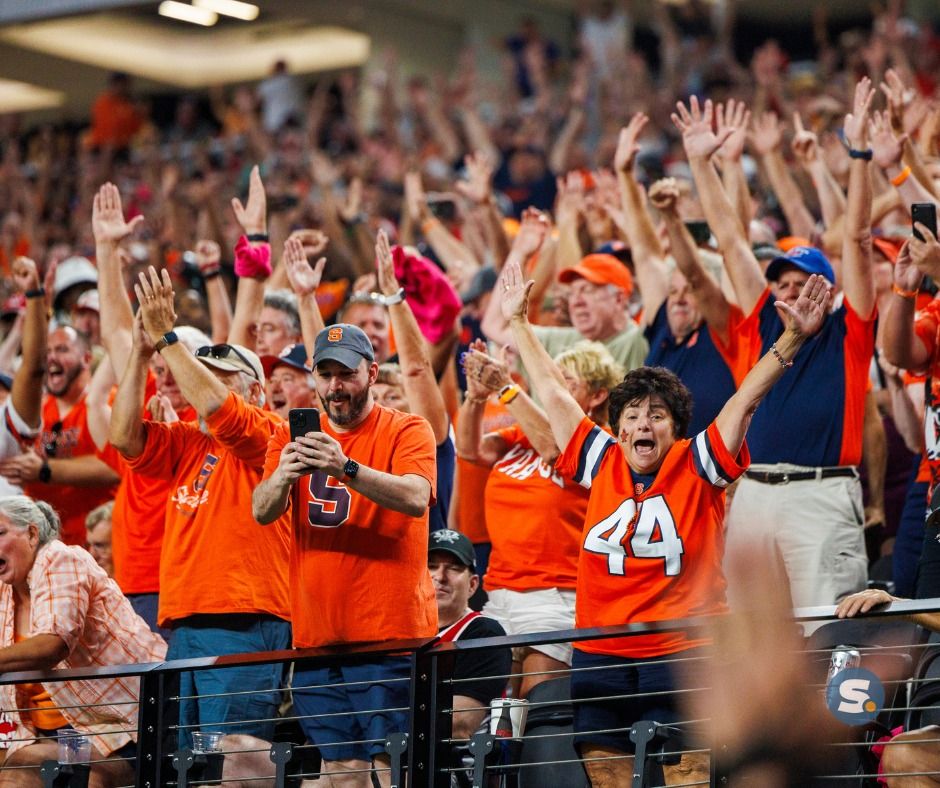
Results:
650 554
72 439
114 120
358 572
471 481
139 516
215 557
534 518
42 712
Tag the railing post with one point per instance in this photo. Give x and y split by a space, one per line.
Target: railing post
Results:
428 753
155 715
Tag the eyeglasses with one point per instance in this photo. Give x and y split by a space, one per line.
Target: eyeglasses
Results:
51 446
223 352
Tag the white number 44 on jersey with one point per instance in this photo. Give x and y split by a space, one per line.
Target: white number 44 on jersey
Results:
654 537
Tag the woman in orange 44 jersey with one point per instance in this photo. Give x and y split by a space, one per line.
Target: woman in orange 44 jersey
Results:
652 541
534 517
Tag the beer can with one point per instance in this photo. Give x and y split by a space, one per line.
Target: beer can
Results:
843 657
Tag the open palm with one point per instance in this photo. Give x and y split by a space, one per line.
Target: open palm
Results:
107 216
514 296
698 139
808 312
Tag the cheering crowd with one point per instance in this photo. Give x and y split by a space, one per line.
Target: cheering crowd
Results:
570 344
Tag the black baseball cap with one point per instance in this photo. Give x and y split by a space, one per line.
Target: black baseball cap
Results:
455 543
344 343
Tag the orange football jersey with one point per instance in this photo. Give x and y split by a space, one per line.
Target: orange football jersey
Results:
650 554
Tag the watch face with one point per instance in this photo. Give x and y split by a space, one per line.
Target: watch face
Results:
351 468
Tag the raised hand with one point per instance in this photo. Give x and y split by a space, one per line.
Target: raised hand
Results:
208 257
25 274
314 241
322 170
855 126
907 275
514 292
886 148
155 296
569 203
352 205
627 146
533 230
479 177
766 133
925 254
160 409
808 312
664 195
253 215
304 279
737 117
107 216
898 96
415 199
695 124
805 144
485 371
385 266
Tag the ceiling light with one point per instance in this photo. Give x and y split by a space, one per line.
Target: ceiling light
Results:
244 11
188 13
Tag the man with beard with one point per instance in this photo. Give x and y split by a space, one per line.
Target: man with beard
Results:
357 492
63 469
231 606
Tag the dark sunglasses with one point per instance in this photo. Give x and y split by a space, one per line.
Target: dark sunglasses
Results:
51 446
223 352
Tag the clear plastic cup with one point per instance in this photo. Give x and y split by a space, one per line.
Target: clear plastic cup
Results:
74 747
207 741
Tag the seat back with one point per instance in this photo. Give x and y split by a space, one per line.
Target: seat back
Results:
555 717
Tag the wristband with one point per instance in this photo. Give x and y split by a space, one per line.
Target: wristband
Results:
257 237
783 362
427 224
38 292
860 154
254 261
45 473
212 273
902 176
508 393
902 292
395 298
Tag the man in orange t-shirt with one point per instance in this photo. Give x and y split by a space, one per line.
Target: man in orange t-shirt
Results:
358 491
64 471
223 581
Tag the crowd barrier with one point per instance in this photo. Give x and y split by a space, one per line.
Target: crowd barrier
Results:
905 656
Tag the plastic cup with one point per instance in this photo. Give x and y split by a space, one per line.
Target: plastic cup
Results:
74 747
207 741
518 712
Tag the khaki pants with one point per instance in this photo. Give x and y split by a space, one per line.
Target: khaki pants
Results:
816 526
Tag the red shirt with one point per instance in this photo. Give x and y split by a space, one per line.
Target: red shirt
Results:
71 439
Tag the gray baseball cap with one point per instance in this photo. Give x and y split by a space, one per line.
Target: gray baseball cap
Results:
344 343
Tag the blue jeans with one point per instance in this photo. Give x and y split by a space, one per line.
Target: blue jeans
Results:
247 696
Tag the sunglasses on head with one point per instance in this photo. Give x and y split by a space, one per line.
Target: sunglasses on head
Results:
224 352
51 446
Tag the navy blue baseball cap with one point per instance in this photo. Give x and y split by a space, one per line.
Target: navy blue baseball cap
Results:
806 258
344 343
294 356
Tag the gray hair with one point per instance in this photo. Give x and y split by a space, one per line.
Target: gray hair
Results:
286 302
99 514
23 511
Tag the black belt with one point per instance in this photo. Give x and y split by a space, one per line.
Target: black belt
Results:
769 477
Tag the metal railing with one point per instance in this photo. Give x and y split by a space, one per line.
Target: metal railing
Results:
426 754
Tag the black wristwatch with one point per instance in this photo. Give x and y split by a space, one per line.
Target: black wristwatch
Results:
169 338
350 469
45 473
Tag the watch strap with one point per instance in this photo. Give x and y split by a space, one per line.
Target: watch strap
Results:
395 298
45 473
169 338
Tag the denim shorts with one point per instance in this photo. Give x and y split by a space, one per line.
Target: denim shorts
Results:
245 698
372 702
627 677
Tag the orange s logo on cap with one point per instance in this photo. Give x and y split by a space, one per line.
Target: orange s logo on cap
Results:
335 334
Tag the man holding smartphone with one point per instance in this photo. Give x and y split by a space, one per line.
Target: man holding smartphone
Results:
357 490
